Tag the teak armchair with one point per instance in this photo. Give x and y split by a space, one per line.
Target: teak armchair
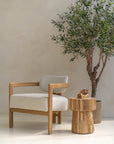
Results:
49 104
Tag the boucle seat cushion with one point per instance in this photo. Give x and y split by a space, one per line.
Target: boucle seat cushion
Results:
38 101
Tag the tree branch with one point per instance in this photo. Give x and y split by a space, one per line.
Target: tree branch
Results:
89 62
90 57
98 65
104 64
100 56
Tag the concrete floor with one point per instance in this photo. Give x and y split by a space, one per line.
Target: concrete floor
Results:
31 129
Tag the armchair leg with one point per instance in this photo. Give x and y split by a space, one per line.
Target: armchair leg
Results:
59 117
54 118
10 119
50 116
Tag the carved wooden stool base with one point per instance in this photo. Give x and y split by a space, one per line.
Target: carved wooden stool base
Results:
82 122
82 116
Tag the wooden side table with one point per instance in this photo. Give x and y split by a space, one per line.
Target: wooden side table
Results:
82 117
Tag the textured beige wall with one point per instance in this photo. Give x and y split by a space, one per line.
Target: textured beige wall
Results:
27 53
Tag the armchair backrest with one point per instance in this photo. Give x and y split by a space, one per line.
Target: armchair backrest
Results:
47 79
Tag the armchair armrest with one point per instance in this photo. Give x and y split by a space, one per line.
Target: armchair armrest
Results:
59 85
23 84
50 103
50 92
20 84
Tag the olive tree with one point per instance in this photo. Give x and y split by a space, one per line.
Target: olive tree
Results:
84 27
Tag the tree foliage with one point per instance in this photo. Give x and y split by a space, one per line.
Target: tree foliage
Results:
85 26
89 23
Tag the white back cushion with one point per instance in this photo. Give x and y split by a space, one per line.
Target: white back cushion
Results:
46 80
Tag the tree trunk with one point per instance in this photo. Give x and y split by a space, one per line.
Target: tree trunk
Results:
94 88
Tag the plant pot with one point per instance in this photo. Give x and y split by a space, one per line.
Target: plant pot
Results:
97 114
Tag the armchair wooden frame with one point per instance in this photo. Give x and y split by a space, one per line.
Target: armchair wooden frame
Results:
51 114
